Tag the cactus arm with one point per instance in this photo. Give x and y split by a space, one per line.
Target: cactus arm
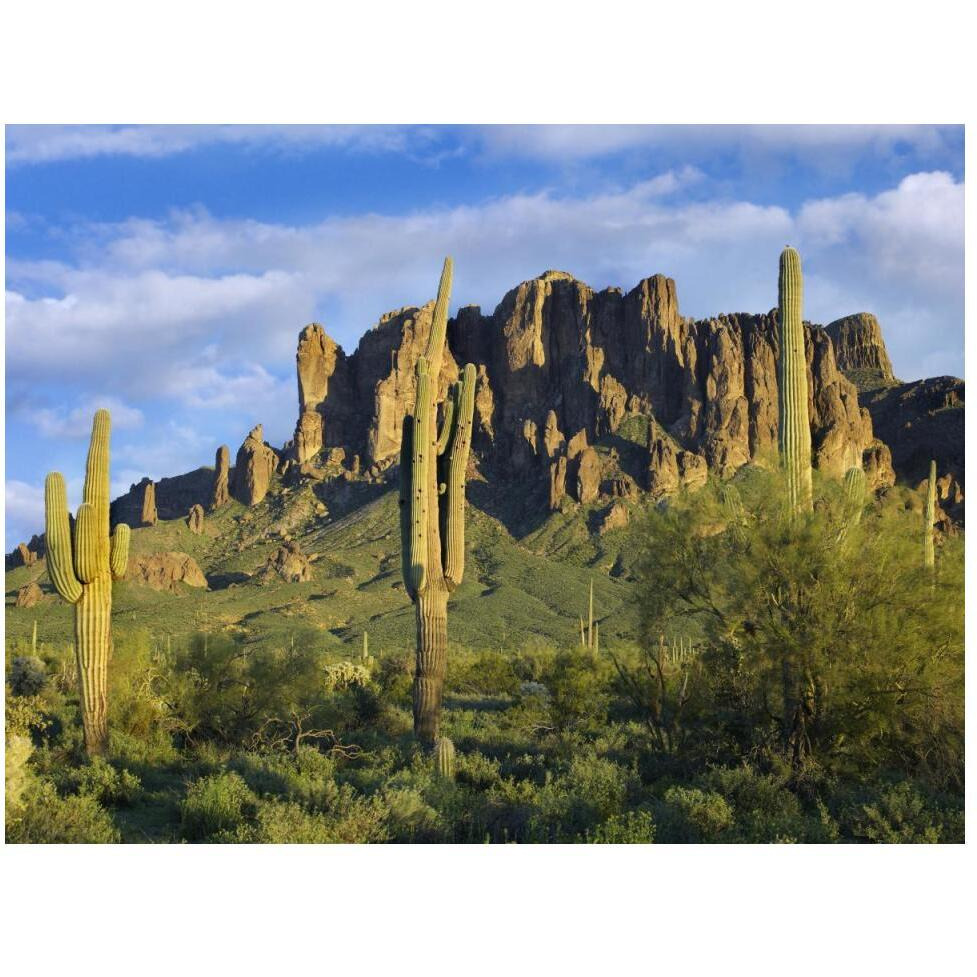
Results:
420 459
119 551
456 468
794 427
60 563
439 323
406 495
91 547
447 420
96 490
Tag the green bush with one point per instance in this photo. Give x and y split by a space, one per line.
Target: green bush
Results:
48 818
27 675
899 814
632 828
215 804
690 814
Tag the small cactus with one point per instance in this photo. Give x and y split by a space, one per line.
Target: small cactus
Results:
444 758
83 573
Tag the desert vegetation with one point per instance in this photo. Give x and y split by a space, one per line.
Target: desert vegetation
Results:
787 665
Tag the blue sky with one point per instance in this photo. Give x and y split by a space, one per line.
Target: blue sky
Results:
165 271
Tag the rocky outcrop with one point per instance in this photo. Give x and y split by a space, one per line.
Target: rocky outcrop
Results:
561 367
671 468
288 563
195 519
860 350
221 494
588 476
255 465
30 595
922 421
315 363
148 515
165 571
616 517
24 556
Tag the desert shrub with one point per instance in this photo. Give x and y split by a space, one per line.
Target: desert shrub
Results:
410 817
630 828
487 673
48 818
27 675
592 790
305 777
579 694
765 809
283 823
690 814
215 804
476 770
17 774
106 784
26 716
897 814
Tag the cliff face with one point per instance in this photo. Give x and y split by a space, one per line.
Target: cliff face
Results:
860 350
561 367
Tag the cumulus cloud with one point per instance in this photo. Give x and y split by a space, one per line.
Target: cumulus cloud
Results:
59 422
24 504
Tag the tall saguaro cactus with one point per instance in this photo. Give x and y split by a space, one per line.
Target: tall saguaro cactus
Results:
82 574
433 468
929 518
794 423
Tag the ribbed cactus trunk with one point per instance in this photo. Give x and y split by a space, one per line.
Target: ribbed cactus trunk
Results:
929 519
794 424
82 574
433 470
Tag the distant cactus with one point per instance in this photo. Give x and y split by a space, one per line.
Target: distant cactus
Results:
433 470
83 575
444 758
929 518
366 646
590 635
793 422
854 497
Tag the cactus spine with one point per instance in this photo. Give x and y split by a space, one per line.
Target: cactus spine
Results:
83 574
929 518
794 424
433 467
444 758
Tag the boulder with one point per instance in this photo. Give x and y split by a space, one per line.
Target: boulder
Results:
30 595
588 476
165 571
195 519
288 563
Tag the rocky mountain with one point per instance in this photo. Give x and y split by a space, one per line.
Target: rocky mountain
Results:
562 369
584 397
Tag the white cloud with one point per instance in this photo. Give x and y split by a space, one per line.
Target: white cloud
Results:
821 146
53 143
24 508
58 422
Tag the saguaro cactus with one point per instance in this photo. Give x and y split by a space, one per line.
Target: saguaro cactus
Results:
854 497
433 468
83 574
929 518
444 758
794 424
